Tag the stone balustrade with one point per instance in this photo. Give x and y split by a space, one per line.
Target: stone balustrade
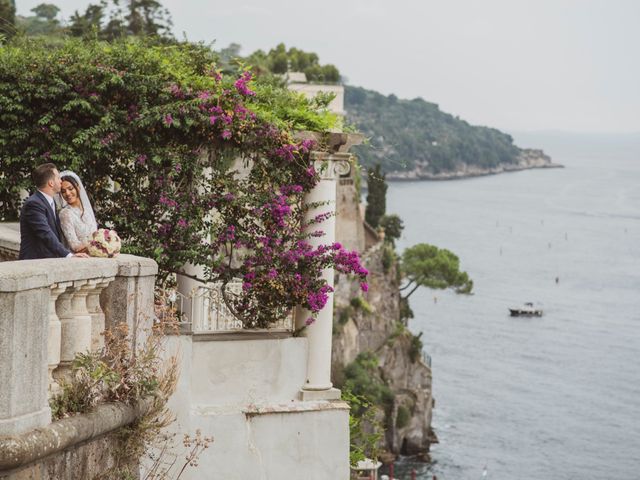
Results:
52 309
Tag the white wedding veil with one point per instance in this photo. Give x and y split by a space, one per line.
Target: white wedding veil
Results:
84 198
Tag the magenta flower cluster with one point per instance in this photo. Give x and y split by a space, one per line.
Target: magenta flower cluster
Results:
258 231
241 84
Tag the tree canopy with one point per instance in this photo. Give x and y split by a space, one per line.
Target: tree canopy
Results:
282 60
109 20
425 265
393 227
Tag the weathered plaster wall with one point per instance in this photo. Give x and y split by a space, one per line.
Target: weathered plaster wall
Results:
246 395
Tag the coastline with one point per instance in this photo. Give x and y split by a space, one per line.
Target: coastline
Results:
527 160
414 176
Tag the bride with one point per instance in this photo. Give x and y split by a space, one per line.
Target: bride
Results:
76 217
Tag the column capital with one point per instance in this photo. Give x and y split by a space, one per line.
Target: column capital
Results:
331 165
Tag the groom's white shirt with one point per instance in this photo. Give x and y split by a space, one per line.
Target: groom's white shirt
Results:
50 200
53 207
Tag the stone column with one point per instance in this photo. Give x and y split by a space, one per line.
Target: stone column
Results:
55 335
24 320
191 306
95 310
319 334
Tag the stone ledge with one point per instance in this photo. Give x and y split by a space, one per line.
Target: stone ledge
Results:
21 450
240 335
21 275
133 266
294 407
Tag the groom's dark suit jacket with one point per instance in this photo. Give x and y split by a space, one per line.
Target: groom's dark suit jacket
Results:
40 230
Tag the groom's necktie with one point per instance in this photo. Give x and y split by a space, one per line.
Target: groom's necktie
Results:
55 219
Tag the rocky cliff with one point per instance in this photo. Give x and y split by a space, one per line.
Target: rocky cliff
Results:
369 324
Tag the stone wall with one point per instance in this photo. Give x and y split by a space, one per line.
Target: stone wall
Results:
50 310
245 392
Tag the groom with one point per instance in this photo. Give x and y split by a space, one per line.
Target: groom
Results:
39 223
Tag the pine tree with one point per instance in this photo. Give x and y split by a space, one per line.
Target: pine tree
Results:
376 196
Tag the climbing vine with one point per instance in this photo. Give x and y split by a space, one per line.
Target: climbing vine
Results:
187 164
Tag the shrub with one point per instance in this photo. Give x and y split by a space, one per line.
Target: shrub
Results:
188 165
365 431
402 417
415 351
359 303
363 378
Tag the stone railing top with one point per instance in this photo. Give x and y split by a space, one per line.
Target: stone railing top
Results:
27 274
10 236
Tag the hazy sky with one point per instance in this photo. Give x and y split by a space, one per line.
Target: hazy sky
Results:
512 64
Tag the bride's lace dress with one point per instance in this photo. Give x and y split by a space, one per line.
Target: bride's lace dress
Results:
76 229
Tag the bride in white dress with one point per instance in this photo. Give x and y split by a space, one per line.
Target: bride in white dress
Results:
76 217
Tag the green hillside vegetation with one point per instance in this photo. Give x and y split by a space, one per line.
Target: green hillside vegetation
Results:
406 133
403 134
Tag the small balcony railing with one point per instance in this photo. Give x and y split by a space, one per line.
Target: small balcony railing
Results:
204 310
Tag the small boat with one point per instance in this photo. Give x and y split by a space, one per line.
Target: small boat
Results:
527 310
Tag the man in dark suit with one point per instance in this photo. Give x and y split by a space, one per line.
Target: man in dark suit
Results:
40 235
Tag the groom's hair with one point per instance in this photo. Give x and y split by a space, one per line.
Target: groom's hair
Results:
42 174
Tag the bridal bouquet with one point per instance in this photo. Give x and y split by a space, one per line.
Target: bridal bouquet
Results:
104 243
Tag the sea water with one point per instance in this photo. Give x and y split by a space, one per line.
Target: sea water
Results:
556 397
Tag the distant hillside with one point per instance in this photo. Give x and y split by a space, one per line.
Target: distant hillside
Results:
413 139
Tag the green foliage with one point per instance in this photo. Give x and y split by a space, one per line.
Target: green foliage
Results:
406 313
415 350
363 378
345 314
365 431
7 19
402 417
388 257
359 303
376 196
425 265
116 374
161 140
280 60
399 329
109 20
393 227
43 22
407 133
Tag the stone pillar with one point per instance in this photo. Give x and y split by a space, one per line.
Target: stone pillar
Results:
97 315
129 298
24 320
318 385
55 335
192 310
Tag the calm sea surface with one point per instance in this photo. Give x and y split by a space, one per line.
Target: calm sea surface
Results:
556 397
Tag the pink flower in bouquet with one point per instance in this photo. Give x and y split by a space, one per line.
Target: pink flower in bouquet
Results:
104 243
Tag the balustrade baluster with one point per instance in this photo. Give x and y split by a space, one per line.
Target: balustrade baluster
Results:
75 320
55 335
97 315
